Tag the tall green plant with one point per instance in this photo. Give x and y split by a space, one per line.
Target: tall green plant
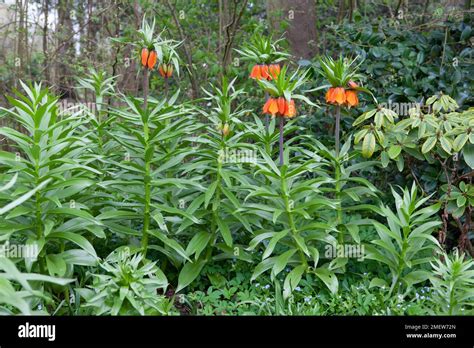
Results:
219 159
149 141
406 241
453 281
291 228
48 161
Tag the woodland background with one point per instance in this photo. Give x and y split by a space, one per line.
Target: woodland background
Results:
55 41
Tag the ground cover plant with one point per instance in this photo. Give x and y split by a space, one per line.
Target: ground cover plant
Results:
170 164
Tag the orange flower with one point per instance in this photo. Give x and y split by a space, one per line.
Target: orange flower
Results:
351 98
170 71
274 71
151 59
273 107
165 70
264 72
290 110
161 70
266 105
255 74
339 95
330 96
352 84
281 105
144 56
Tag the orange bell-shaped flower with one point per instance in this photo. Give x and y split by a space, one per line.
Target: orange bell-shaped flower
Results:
151 59
281 102
165 70
161 70
330 96
339 95
273 107
352 84
290 110
351 98
170 71
255 74
264 72
144 56
266 106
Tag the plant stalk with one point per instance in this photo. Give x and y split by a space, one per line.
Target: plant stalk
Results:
267 118
339 205
282 125
147 188
291 222
338 175
338 126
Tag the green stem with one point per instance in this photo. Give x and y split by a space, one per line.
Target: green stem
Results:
38 214
147 190
267 119
338 177
291 222
282 125
338 126
214 209
339 201
451 300
39 230
401 262
147 178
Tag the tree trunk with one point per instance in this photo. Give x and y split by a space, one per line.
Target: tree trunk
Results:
66 49
230 29
45 39
341 11
301 31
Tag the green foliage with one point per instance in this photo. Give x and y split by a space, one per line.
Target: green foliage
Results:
459 198
262 50
284 86
405 241
30 297
405 64
48 168
127 287
338 72
453 279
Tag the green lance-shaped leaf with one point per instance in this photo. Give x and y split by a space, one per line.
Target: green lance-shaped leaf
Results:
188 273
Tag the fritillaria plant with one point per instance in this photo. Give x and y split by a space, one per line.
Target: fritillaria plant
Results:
265 56
281 101
341 74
